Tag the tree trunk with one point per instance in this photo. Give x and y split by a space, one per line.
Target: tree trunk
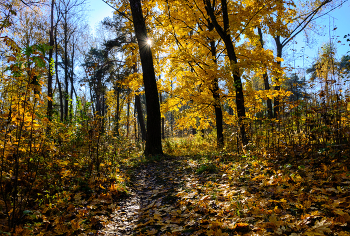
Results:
92 100
139 109
99 95
117 113
218 115
57 79
49 79
276 101
226 37
128 116
266 80
71 78
65 69
153 137
140 117
135 125
216 95
162 119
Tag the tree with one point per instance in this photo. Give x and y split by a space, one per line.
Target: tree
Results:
225 35
297 86
345 64
70 19
197 47
123 37
284 33
153 138
99 65
266 78
324 72
50 69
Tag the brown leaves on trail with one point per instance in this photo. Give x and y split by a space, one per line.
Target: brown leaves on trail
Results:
218 195
243 196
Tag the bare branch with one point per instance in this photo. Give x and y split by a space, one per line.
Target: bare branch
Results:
117 10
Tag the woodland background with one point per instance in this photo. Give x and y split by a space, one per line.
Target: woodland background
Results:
80 116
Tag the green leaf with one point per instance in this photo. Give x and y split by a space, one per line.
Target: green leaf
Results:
26 212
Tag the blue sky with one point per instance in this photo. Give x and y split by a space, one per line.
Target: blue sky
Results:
333 26
98 11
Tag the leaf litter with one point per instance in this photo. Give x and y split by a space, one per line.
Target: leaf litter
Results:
235 195
217 194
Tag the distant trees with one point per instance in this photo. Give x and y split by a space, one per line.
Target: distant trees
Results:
345 64
70 25
297 86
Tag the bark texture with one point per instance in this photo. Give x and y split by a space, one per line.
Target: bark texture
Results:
153 136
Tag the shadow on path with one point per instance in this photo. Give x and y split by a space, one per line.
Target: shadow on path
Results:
152 205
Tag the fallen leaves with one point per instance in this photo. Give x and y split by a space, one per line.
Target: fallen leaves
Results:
243 196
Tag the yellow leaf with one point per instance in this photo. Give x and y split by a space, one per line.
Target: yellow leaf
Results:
279 59
319 228
151 232
339 189
343 233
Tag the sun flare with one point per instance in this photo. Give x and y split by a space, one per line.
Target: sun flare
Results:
149 42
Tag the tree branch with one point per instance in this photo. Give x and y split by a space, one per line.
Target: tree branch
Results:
117 10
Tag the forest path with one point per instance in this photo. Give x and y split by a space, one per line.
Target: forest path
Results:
152 204
201 195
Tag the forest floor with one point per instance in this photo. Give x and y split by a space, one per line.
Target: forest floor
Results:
307 194
195 192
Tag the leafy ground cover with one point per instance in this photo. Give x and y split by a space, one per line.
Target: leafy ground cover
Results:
298 192
244 195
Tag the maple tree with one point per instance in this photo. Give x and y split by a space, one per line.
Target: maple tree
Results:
284 33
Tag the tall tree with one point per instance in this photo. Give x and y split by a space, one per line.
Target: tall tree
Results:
266 78
289 32
70 12
153 136
225 35
51 69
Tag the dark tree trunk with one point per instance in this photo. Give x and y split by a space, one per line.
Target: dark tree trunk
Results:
153 137
163 127
57 79
71 78
139 109
217 104
93 104
135 125
117 113
226 37
266 80
140 117
49 79
128 116
103 118
162 119
66 99
218 117
268 102
276 102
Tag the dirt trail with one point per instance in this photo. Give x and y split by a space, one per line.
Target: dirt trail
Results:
152 197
